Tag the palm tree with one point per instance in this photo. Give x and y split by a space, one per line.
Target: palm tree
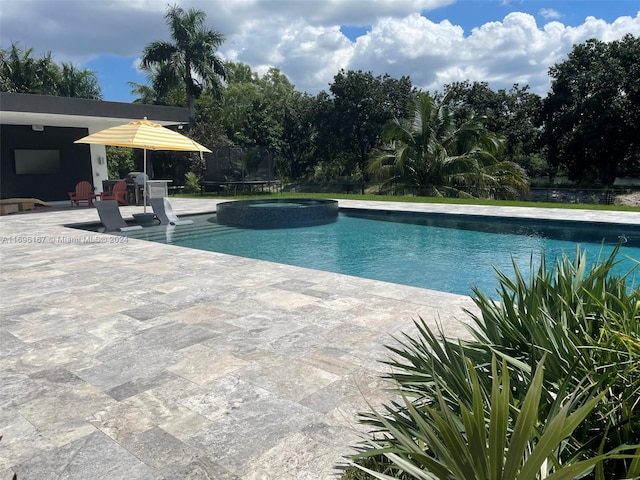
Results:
191 60
144 93
78 83
157 91
439 156
21 73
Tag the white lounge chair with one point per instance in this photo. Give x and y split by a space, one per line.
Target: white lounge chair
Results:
111 218
164 212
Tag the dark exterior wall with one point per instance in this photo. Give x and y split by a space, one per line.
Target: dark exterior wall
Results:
75 162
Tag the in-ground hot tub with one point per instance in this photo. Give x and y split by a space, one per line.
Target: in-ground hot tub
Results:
277 213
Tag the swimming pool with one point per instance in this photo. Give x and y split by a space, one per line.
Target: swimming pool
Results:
437 252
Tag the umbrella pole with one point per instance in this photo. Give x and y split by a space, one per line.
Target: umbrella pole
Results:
144 196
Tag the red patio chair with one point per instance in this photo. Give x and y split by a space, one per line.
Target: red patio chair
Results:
118 192
82 193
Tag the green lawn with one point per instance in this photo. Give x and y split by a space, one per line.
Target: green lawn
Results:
389 198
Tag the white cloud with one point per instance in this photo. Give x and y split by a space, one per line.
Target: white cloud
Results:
550 13
303 38
137 64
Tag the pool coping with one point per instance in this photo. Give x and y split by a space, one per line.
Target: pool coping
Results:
166 361
501 218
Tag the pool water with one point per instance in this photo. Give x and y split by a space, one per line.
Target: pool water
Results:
427 256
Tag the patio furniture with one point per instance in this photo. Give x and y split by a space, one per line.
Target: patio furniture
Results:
119 193
138 185
110 216
147 136
13 205
164 212
82 193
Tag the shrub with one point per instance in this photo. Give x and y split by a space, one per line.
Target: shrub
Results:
192 182
489 439
584 321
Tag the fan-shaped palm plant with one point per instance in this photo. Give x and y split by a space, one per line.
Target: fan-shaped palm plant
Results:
440 156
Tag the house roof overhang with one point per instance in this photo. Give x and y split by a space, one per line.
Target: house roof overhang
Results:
28 109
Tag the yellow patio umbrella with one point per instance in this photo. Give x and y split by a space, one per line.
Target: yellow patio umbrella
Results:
146 135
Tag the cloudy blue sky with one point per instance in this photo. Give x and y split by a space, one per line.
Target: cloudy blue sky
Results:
435 42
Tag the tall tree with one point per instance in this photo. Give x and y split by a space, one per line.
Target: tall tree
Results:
441 155
78 83
191 60
514 114
592 114
20 72
253 106
363 104
299 133
239 72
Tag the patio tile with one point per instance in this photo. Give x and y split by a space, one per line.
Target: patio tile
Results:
64 405
139 413
138 385
297 343
12 346
296 456
114 326
250 429
109 376
94 456
293 286
11 310
285 299
19 439
201 364
222 396
354 393
175 335
331 359
204 468
185 425
337 436
290 379
146 312
161 451
209 313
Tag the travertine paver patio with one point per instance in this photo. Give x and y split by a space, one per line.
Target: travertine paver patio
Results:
125 359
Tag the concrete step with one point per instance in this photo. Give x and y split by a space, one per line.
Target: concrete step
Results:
167 234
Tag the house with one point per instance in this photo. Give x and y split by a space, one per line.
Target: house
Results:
38 158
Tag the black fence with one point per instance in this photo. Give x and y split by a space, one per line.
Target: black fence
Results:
238 164
572 195
235 170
